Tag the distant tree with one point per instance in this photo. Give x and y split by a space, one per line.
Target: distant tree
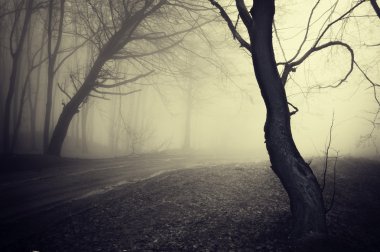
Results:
53 46
22 14
33 61
33 94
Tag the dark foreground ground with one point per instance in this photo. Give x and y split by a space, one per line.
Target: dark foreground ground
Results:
214 207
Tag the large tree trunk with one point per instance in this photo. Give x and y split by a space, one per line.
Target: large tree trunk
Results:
305 195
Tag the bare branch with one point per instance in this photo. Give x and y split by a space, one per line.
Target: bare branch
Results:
374 85
123 82
337 20
295 109
132 55
244 14
327 152
306 33
376 7
323 46
73 50
63 91
116 93
231 26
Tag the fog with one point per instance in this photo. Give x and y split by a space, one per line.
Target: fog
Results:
202 95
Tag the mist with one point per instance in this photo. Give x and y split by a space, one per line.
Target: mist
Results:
208 79
179 103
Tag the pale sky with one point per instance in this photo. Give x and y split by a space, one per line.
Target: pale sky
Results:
229 115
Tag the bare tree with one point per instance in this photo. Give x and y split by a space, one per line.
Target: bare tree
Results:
32 64
295 174
305 195
22 15
52 58
129 23
33 94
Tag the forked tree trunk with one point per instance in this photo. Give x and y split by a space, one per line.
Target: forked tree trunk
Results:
305 195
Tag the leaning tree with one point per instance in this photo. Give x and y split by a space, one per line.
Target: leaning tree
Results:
123 31
306 199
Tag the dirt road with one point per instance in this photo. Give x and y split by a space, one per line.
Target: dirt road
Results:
36 193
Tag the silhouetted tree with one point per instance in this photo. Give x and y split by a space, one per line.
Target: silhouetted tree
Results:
110 26
22 15
33 62
53 49
304 192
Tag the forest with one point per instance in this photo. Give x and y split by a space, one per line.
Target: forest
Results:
189 125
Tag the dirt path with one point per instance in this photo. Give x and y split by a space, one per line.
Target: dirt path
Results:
43 189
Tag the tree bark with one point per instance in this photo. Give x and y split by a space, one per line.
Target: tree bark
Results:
305 195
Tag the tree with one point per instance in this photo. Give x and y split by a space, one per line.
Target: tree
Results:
305 195
33 99
22 16
53 50
295 174
129 24
304 192
31 66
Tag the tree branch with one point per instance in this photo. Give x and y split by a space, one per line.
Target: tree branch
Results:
131 55
231 26
244 14
323 46
115 93
375 7
123 82
295 109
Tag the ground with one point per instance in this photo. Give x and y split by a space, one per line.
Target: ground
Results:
209 206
